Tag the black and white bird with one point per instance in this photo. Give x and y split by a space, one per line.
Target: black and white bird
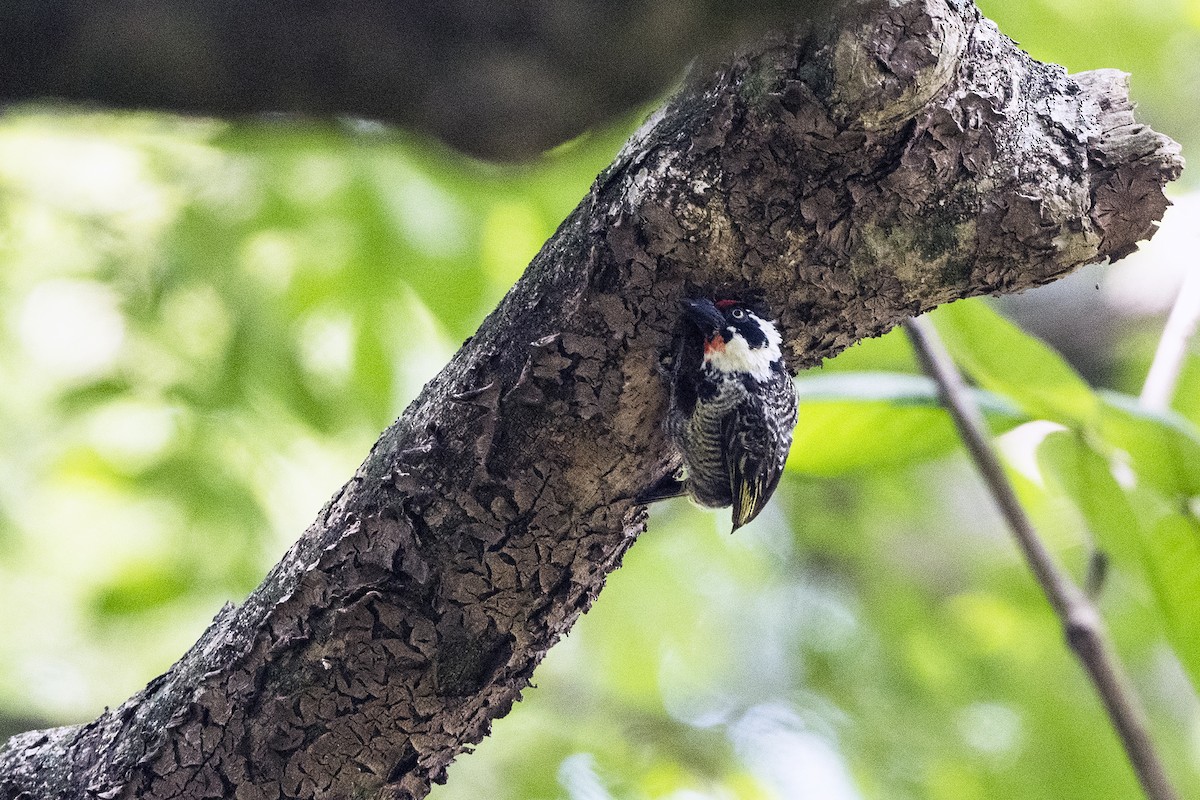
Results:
732 409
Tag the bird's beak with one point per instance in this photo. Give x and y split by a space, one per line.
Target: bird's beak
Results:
704 315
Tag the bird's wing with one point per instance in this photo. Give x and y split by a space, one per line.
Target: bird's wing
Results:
753 475
755 465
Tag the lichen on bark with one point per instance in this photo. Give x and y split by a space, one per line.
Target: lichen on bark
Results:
849 174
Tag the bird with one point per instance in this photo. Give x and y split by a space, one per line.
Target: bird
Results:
732 408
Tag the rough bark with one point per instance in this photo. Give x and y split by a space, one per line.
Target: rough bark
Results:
502 79
848 176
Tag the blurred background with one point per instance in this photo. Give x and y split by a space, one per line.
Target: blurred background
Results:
204 326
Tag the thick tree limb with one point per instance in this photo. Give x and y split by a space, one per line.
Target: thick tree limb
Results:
851 177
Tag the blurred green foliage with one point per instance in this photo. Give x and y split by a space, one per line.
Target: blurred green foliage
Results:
204 326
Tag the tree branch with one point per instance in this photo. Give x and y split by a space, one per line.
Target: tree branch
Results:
850 175
1081 620
505 79
1159 389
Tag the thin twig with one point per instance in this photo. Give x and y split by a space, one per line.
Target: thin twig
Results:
1159 388
1084 628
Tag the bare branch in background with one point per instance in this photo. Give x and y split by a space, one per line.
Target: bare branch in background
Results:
1082 624
1159 388
502 79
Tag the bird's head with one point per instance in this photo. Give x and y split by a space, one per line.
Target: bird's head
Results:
736 339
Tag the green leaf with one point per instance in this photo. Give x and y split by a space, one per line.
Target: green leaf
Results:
1086 477
1168 552
859 421
1163 447
1173 550
890 352
1003 359
141 586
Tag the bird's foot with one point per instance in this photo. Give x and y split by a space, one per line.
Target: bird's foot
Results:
668 486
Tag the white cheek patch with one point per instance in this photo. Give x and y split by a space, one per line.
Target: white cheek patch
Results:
738 356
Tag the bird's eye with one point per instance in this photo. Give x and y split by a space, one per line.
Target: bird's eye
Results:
737 313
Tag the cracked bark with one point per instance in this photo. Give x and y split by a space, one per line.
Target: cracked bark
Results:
851 176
